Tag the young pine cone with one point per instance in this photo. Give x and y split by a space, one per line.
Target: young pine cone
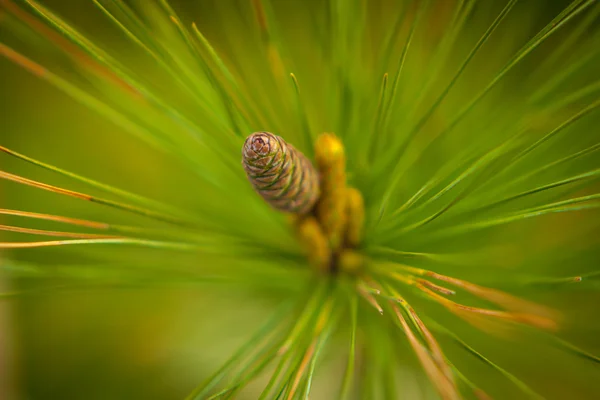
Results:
282 175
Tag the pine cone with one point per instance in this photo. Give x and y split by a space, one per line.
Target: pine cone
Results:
281 174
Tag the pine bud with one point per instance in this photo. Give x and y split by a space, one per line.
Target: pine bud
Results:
355 207
331 209
315 243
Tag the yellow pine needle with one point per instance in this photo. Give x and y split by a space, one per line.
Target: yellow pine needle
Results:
308 355
42 232
436 350
56 218
445 388
124 229
44 186
460 310
526 315
114 240
369 298
435 287
87 197
497 297
323 318
502 299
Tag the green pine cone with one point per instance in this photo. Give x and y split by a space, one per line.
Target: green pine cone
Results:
281 174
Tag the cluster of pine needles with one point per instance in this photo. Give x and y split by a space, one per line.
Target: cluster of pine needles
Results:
470 182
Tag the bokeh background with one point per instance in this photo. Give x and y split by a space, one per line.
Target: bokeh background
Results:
85 335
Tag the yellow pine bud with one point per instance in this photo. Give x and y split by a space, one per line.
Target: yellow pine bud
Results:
350 261
331 208
355 209
315 243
